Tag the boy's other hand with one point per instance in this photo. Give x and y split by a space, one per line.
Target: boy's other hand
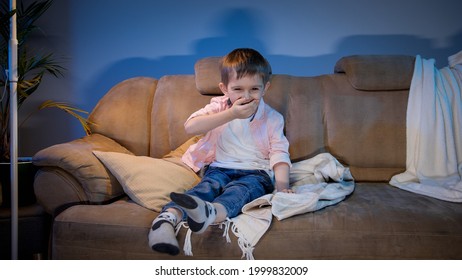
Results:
286 190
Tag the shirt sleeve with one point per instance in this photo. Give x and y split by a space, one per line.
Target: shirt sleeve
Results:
279 145
216 105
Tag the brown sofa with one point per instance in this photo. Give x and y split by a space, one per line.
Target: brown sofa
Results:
356 114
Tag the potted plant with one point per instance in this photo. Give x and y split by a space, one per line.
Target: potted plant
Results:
32 66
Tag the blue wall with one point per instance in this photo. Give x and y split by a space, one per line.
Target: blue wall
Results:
102 42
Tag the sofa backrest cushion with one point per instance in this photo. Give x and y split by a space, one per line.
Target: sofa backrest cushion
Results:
377 72
207 75
300 101
365 130
176 99
124 114
361 123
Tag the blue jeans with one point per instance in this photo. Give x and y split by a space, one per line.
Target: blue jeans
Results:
232 188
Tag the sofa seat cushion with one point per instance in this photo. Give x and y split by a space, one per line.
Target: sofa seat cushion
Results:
377 221
120 231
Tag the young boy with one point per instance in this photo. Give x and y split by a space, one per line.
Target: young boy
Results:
244 148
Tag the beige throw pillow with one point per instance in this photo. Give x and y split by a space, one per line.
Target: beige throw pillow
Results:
147 181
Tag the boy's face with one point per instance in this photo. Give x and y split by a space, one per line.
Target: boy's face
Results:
248 88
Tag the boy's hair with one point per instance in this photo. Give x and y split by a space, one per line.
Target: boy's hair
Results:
245 62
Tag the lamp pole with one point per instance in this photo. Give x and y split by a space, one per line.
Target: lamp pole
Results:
13 82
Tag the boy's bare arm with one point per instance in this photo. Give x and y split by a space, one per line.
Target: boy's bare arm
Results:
281 174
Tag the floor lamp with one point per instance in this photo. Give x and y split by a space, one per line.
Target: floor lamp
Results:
13 82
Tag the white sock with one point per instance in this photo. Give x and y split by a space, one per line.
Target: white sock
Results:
162 234
200 213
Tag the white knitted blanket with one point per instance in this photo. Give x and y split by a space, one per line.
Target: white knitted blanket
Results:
318 182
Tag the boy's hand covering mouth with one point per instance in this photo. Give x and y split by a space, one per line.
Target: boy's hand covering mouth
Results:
245 101
244 108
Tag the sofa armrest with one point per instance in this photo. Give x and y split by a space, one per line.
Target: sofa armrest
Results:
70 173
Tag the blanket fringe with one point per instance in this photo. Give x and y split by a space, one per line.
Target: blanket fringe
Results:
187 247
246 247
226 224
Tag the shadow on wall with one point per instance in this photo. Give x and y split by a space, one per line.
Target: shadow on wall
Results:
239 28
